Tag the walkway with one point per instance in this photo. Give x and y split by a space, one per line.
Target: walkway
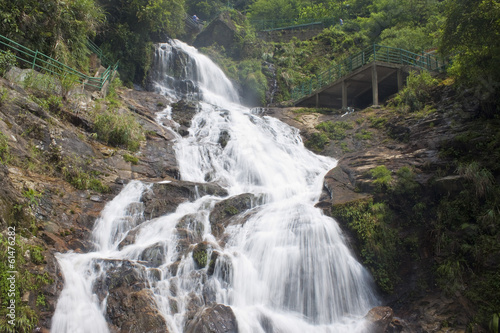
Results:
41 62
376 72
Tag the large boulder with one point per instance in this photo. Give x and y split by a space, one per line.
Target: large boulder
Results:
217 318
131 306
164 198
378 319
225 211
221 31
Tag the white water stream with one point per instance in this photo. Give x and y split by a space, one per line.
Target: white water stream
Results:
284 268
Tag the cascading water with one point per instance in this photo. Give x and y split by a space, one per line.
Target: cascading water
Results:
282 266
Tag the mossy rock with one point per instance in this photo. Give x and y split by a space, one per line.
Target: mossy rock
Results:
200 255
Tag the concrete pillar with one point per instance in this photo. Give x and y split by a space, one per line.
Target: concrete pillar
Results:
400 79
317 100
375 84
344 94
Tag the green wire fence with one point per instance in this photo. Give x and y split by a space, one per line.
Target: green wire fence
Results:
39 61
376 52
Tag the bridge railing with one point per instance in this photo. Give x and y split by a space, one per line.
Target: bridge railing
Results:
376 52
39 61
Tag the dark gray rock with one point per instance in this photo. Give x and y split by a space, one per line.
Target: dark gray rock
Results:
130 304
224 211
164 198
214 319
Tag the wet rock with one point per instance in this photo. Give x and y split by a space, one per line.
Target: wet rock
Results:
154 255
339 187
224 211
164 198
224 137
214 319
190 227
135 312
130 304
378 319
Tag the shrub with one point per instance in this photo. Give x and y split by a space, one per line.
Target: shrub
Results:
4 149
416 93
378 242
382 177
317 141
7 60
334 130
119 129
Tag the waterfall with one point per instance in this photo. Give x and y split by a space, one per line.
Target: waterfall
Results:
281 265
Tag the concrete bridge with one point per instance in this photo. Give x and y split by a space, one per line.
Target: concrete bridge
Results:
363 79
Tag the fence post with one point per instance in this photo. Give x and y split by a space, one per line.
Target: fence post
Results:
34 60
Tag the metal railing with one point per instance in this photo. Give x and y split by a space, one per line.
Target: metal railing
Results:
376 52
270 25
46 64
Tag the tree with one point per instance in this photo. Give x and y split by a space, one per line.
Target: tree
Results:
132 26
471 36
274 10
57 28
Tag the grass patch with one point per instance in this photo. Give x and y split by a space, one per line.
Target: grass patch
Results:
119 129
317 141
132 159
335 130
363 135
5 156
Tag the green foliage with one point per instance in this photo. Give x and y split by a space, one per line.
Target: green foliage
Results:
382 177
472 36
416 93
405 184
494 323
335 130
378 242
274 9
377 122
4 149
231 210
409 38
132 159
78 173
83 180
57 28
317 141
482 179
131 29
7 60
33 196
363 135
118 129
200 255
25 281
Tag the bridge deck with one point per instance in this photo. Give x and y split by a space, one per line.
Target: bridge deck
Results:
356 88
376 72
